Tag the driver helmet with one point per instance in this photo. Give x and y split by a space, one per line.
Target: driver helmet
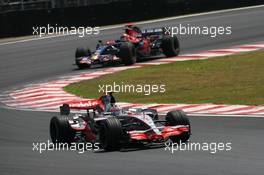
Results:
132 30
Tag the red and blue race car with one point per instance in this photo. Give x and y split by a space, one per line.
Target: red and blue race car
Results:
134 45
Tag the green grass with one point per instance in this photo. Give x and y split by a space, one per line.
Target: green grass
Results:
236 79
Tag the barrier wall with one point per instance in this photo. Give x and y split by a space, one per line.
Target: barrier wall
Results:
21 22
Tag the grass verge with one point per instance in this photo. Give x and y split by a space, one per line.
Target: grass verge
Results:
235 79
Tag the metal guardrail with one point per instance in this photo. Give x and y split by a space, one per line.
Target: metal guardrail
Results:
20 5
96 15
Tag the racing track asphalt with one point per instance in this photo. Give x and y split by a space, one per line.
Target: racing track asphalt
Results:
27 62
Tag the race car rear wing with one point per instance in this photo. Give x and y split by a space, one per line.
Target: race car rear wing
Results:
154 31
66 110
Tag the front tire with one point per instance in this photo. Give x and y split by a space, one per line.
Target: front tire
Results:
174 118
82 66
60 130
110 134
81 52
170 46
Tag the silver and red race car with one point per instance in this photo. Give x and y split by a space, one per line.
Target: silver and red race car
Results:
134 45
117 127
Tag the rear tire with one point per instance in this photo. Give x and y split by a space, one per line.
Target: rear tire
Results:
175 118
127 53
110 134
60 130
170 46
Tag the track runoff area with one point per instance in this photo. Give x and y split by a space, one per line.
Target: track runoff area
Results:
49 95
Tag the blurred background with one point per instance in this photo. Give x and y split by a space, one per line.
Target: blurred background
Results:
17 17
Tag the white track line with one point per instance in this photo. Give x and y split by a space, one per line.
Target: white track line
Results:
202 107
245 111
224 108
40 102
